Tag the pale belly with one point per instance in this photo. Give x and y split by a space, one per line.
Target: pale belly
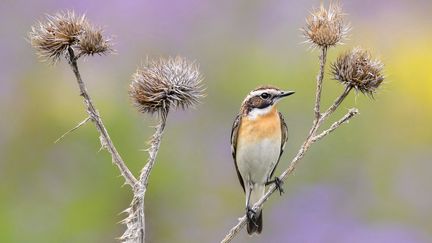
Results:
256 160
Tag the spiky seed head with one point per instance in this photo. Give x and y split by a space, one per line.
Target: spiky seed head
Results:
166 83
326 27
357 69
92 41
52 38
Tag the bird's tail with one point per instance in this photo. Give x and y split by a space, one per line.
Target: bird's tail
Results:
255 224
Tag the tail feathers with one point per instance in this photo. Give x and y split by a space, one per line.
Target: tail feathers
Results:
255 224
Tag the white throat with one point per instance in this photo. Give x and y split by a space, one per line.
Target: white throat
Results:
256 112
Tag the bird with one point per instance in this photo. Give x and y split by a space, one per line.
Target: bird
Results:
258 137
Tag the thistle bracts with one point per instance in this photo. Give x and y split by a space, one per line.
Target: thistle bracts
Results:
326 27
166 83
53 37
358 70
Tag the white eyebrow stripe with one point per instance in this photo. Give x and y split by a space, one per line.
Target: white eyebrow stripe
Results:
259 92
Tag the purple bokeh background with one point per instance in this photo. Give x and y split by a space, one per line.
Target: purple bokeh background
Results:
360 201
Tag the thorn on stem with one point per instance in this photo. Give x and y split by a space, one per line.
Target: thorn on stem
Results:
73 129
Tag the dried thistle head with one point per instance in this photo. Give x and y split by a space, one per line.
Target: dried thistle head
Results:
52 38
357 69
165 83
325 27
93 42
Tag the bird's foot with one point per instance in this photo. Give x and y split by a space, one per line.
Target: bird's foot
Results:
278 183
251 215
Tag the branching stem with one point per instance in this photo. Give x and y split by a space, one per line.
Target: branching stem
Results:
94 116
135 221
351 113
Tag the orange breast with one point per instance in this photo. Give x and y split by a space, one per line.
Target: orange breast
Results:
265 126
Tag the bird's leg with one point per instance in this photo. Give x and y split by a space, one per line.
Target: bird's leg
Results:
248 193
278 183
250 213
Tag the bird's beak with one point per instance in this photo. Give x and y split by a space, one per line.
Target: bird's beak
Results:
285 94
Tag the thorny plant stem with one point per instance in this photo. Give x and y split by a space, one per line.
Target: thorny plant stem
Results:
352 112
336 103
319 86
153 150
310 139
94 116
135 221
139 187
145 173
320 77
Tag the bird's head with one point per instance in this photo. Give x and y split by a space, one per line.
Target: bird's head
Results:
261 100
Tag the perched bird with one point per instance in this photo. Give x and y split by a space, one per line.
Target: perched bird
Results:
258 138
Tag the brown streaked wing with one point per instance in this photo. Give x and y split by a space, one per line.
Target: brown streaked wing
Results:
234 134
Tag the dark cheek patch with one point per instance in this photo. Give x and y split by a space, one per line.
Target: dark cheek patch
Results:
257 102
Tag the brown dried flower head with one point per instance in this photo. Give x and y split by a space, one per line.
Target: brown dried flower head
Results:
326 27
358 70
166 83
63 30
92 41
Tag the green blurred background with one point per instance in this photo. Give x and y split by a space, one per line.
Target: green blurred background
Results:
367 182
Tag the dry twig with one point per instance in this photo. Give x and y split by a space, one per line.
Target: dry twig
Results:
156 88
96 119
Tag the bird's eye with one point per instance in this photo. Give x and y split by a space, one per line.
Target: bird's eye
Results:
265 95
